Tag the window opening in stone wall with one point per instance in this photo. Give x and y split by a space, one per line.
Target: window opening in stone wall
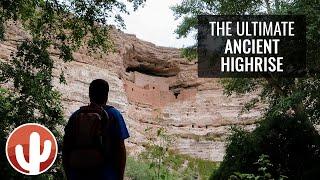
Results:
176 94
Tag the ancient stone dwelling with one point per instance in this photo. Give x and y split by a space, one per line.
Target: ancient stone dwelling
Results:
153 87
155 91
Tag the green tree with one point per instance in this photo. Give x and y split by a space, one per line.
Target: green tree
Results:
291 143
284 96
55 28
281 94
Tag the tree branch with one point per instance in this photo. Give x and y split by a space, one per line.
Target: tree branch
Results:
276 4
277 88
268 6
15 40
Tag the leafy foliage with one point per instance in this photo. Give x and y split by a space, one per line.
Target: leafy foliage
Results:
191 168
55 28
158 153
181 167
188 10
137 169
164 163
285 140
264 166
281 94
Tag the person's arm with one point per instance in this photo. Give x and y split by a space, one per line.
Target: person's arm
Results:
121 134
122 159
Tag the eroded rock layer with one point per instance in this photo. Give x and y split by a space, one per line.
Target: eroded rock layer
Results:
153 87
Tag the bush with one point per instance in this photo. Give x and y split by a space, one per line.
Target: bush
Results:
195 168
180 167
166 164
159 162
264 174
291 143
10 118
136 169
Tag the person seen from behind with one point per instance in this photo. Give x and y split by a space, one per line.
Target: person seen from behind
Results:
93 144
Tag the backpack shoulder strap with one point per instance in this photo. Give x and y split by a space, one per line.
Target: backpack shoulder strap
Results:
94 109
107 108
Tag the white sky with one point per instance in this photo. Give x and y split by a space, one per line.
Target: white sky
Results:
155 23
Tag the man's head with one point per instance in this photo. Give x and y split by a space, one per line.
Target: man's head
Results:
98 91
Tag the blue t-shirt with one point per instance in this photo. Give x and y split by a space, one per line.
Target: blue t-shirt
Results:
121 130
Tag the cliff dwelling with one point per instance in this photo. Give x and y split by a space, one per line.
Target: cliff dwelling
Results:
153 87
154 90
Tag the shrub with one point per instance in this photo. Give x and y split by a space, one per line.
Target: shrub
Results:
291 143
159 162
137 169
264 174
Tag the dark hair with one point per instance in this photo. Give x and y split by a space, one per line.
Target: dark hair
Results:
98 91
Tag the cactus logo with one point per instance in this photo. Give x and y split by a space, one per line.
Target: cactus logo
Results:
31 149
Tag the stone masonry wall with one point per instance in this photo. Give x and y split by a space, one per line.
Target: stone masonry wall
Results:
154 91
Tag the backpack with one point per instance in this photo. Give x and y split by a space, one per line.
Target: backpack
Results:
89 141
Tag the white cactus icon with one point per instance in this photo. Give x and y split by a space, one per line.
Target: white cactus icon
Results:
35 158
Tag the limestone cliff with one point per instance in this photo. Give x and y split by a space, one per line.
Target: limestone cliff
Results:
153 87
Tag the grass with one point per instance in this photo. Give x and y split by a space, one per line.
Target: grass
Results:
180 167
137 169
195 167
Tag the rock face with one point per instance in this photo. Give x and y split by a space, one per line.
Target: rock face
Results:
153 87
